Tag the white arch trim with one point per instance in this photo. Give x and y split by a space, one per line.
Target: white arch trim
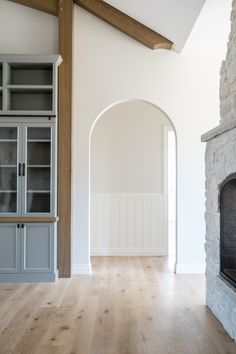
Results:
114 104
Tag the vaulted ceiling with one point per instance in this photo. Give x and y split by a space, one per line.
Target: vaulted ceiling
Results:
171 18
155 23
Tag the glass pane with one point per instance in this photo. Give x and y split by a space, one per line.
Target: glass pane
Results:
39 134
8 178
39 153
7 202
38 170
38 178
8 133
8 169
38 202
8 152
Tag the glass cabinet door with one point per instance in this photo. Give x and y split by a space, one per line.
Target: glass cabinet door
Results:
37 170
9 169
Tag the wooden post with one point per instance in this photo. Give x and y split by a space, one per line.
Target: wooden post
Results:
65 14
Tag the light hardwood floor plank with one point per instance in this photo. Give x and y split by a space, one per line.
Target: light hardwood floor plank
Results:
128 305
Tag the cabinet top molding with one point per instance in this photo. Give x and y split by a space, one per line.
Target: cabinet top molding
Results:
109 14
31 58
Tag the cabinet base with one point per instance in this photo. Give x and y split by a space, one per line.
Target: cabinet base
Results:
28 278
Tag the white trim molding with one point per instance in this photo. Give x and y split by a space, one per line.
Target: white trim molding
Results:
190 268
128 252
81 269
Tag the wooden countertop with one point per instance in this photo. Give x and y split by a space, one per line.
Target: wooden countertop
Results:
29 219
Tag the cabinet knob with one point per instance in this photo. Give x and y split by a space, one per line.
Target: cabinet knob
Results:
22 226
18 226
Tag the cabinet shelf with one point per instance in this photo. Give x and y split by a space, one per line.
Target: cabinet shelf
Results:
39 191
38 141
17 88
26 99
38 166
9 191
8 166
30 73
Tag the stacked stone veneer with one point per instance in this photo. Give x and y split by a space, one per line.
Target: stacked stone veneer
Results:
220 163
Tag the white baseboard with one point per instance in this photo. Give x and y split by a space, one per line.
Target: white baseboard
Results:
190 268
128 252
81 269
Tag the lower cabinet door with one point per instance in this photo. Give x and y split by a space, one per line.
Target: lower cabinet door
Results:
37 248
9 248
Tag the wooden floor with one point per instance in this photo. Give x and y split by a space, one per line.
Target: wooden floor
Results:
129 305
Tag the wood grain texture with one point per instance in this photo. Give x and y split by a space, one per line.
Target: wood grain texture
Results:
125 23
129 305
48 6
9 220
65 12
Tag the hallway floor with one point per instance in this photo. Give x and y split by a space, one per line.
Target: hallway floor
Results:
130 305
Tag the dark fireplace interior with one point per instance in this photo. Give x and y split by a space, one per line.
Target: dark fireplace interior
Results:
228 229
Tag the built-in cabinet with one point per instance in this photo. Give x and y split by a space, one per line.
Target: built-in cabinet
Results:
28 167
27 251
28 86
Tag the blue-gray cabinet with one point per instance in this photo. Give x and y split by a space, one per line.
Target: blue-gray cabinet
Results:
27 252
9 248
28 84
28 167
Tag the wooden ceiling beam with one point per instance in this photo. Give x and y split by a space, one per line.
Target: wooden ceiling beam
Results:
48 6
125 24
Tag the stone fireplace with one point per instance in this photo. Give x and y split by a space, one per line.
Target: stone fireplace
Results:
228 229
220 213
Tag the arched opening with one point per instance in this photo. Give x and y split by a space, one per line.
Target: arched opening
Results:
133 182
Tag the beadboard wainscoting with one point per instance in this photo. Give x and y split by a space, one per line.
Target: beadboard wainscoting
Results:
128 225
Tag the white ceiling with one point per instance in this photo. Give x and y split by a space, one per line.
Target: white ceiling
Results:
173 19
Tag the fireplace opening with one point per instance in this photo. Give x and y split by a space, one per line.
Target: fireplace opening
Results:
228 229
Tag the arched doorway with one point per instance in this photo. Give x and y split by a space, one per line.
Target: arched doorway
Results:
133 181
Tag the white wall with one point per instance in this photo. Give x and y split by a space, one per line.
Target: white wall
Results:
26 31
109 67
127 150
